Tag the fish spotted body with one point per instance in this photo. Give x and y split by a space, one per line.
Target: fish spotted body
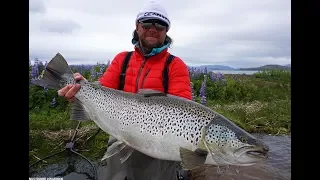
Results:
159 125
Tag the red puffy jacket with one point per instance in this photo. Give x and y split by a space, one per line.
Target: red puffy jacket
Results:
147 74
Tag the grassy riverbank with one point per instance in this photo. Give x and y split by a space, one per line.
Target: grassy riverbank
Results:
257 103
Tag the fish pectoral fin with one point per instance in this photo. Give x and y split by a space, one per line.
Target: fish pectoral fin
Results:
192 159
78 111
120 147
115 148
125 153
215 153
150 92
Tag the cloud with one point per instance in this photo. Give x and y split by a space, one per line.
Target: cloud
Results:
36 6
59 25
244 33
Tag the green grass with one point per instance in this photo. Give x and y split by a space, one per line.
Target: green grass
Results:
259 103
50 131
272 117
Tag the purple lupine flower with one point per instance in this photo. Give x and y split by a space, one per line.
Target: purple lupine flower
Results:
203 92
204 100
53 103
216 77
212 76
205 71
35 71
192 91
197 73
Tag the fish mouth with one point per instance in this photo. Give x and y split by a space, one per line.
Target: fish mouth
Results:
258 153
253 152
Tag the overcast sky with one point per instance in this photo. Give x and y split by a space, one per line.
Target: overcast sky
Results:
236 33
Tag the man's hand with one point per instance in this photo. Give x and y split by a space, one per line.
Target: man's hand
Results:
70 90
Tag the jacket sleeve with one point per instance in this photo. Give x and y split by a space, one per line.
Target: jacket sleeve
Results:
111 77
179 80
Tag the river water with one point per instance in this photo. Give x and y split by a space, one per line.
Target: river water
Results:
277 166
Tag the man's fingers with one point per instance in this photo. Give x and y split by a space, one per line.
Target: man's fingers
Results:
72 91
78 76
64 90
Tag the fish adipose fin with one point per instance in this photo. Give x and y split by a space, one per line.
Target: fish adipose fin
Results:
192 159
121 148
52 75
78 111
150 92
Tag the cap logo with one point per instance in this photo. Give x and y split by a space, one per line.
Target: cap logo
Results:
155 14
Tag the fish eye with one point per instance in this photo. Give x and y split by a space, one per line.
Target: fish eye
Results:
243 139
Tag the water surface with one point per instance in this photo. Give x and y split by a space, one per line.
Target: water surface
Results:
277 166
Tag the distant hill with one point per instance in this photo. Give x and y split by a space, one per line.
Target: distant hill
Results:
265 67
214 67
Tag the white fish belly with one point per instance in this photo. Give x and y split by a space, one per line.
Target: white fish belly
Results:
164 147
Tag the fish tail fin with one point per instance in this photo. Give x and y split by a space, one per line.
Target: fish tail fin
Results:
54 73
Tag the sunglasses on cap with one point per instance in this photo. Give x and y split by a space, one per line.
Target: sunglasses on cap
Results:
159 25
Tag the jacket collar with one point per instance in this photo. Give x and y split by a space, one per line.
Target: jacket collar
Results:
154 51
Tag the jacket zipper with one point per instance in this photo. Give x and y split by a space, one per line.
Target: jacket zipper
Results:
144 78
138 77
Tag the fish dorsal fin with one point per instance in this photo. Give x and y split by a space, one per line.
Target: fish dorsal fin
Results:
192 159
150 92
